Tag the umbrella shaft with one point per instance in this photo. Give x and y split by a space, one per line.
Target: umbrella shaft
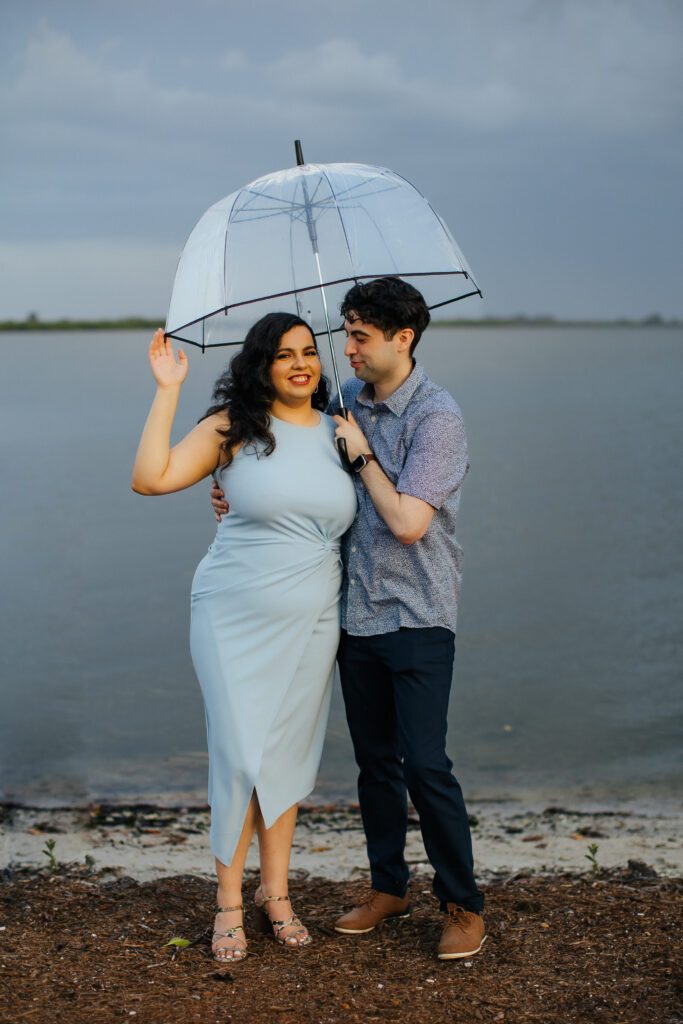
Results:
329 330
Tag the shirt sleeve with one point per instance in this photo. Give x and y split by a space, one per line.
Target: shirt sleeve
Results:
436 462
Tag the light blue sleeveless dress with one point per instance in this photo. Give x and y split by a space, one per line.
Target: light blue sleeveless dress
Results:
265 624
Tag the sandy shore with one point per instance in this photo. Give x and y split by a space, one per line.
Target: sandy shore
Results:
148 842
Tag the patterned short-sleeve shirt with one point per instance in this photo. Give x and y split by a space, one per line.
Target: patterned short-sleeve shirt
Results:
418 437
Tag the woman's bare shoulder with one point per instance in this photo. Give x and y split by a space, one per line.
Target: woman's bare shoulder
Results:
220 422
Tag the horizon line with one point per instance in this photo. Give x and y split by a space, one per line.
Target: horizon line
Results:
33 322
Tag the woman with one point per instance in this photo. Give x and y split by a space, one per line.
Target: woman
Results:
265 622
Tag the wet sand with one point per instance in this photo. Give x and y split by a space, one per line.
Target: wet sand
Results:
146 842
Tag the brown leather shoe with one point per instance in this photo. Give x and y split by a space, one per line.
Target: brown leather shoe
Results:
463 933
372 908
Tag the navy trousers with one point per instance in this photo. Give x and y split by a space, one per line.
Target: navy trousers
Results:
396 688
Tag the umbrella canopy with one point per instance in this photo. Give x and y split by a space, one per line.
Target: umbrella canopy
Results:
296 241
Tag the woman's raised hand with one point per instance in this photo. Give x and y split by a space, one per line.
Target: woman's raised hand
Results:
167 371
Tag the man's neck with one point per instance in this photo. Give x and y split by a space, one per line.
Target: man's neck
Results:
384 388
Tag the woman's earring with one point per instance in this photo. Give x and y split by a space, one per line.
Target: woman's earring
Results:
316 388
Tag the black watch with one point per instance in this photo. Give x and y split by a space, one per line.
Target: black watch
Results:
361 462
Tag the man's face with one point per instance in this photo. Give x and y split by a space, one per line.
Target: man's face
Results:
372 356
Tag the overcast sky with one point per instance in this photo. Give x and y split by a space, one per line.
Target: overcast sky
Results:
546 133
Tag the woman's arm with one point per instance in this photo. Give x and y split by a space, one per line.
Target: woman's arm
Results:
160 469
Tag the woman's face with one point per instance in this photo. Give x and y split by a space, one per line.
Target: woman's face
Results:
295 370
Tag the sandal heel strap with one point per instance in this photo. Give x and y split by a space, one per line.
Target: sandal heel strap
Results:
227 910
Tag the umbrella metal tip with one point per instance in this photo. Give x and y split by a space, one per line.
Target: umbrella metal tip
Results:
299 153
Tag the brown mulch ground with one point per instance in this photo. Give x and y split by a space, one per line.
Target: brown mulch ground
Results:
570 948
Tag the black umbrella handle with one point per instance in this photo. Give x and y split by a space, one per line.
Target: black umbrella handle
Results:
341 445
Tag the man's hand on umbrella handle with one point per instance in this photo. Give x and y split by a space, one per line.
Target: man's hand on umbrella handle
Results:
220 505
356 441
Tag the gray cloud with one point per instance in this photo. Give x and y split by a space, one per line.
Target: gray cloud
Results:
539 130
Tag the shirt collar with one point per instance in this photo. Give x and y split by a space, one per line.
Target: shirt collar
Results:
397 400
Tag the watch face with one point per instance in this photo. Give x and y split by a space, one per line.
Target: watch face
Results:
358 463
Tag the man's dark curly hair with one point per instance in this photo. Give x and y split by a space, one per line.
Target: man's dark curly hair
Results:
390 304
245 389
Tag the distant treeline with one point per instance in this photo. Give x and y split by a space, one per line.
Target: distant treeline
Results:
129 323
655 320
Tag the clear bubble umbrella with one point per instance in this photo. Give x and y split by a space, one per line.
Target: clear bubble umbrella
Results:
297 240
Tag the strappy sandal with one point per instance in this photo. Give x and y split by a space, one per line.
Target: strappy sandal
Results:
229 954
297 938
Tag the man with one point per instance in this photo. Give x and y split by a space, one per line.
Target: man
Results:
403 565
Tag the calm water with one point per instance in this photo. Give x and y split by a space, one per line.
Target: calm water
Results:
570 643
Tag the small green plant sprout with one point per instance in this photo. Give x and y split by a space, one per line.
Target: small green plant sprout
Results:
180 943
48 850
591 856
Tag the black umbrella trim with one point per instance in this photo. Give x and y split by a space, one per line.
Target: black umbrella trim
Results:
316 287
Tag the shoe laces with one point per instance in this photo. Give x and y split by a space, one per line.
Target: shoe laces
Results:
457 916
368 898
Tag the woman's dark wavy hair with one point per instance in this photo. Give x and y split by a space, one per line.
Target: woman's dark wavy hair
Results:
245 389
